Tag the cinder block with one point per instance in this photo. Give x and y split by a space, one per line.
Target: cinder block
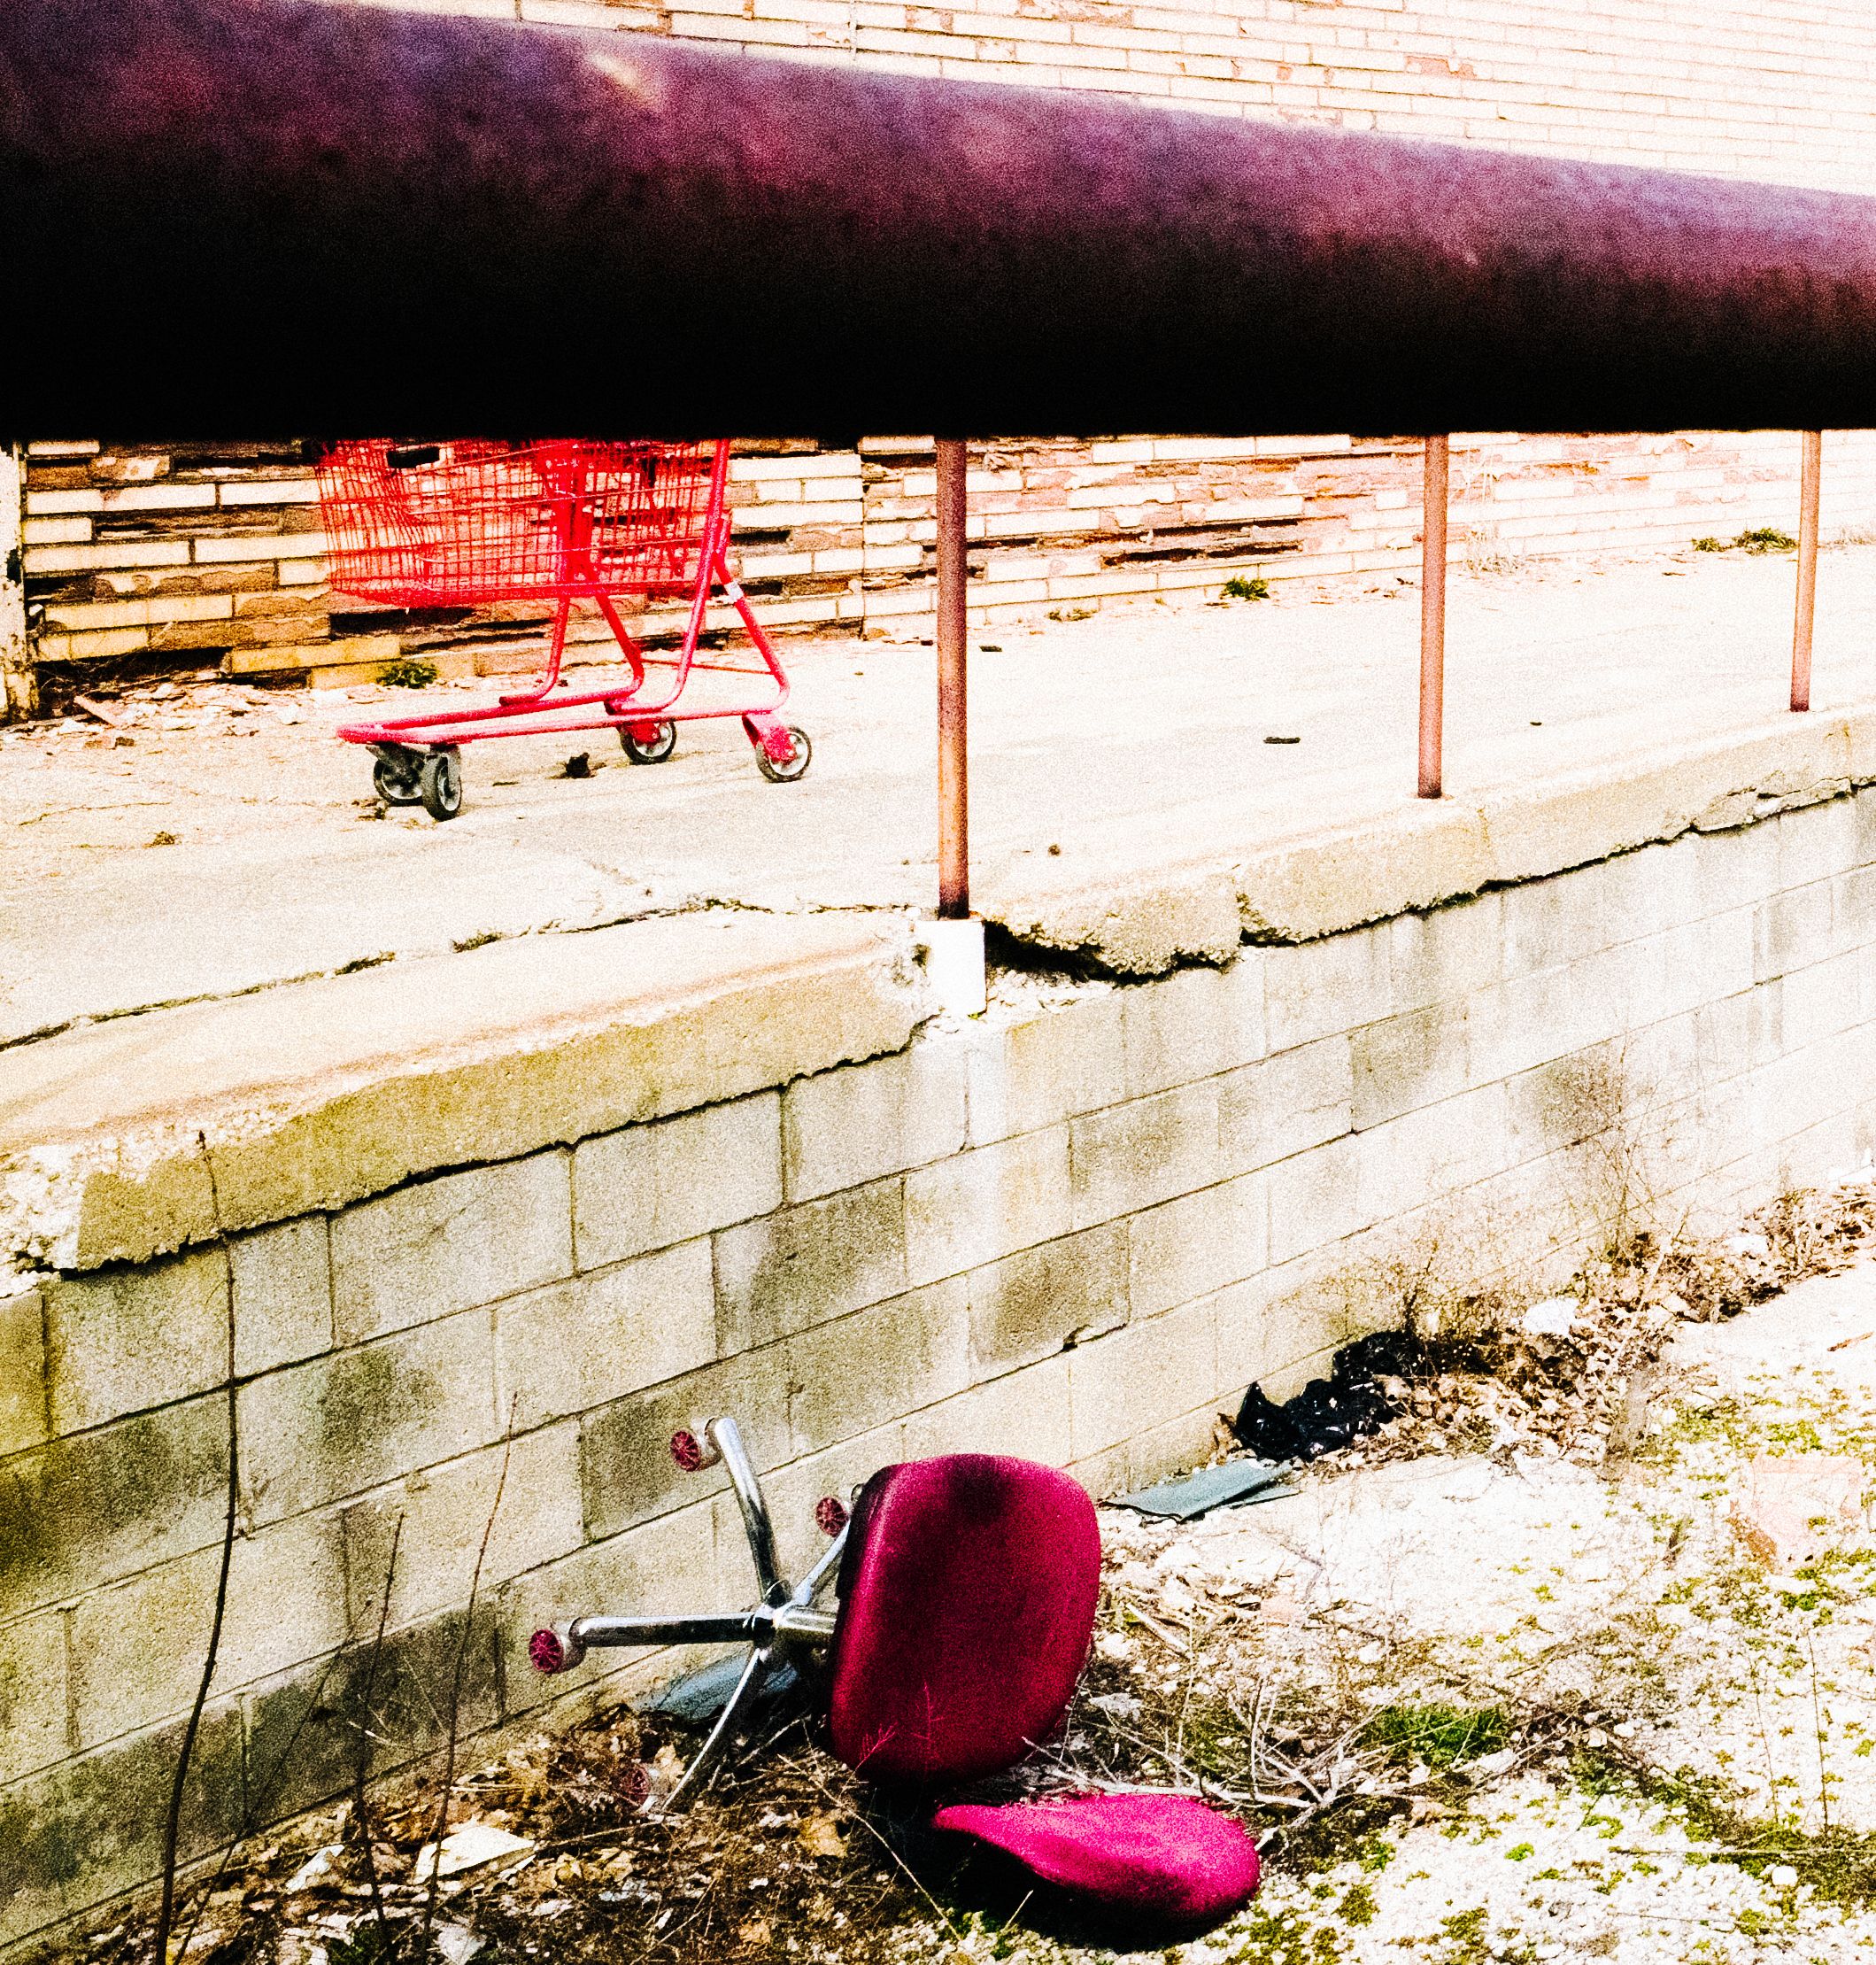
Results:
1314 1198
1791 930
338 1425
1319 988
1024 1413
91 1829
864 1371
667 1565
391 1701
978 1206
1285 1104
1271 1326
1732 869
1823 1000
1197 1245
1172 1448
282 1295
137 1648
1820 840
1442 955
124 1341
1552 922
523 1496
1433 1152
23 1416
1193 1023
1133 1380
1739 1030
801 1266
449 1244
627 1474
575 1346
1854 906
1534 1018
1030 1306
647 1186
1407 1062
90 1508
1046 1067
861 1122
34 1694
1132 1155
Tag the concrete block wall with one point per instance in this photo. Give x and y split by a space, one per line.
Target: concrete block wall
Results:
1075 1233
211 552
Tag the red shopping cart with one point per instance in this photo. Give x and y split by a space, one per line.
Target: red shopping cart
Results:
468 522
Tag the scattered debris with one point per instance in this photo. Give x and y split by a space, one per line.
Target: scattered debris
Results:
820 1835
1793 1508
320 1868
1476 1700
1328 1412
1553 1318
468 1846
458 1942
1236 1482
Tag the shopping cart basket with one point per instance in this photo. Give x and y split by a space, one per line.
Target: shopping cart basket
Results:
465 523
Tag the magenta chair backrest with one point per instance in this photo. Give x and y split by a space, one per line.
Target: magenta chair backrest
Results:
967 1604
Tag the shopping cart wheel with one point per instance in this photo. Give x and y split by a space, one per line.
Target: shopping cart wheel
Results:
651 748
394 779
440 786
796 766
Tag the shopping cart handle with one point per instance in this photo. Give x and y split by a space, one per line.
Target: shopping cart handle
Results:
412 455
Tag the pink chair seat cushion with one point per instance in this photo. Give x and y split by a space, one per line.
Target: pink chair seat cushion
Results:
1147 1855
967 1604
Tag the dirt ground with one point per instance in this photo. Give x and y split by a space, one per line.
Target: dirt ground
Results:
214 838
1575 1654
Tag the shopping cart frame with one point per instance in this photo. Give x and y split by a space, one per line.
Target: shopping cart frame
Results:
418 756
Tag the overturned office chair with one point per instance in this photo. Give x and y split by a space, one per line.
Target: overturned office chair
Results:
966 1588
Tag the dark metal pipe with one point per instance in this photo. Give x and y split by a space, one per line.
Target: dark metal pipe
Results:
953 758
1432 616
258 216
1810 479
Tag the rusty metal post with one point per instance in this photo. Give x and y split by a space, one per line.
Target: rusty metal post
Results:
954 782
1810 482
1432 615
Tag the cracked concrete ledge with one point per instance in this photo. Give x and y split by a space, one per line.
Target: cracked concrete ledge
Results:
313 1094
1143 920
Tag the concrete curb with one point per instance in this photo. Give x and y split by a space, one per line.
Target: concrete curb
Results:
315 1095
1146 921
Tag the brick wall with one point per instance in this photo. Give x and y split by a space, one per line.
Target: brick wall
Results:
1074 1233
212 554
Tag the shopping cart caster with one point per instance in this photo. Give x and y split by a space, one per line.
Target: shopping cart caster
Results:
785 770
439 784
648 743
395 775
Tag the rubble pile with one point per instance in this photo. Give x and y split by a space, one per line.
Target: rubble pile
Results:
1568 1373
